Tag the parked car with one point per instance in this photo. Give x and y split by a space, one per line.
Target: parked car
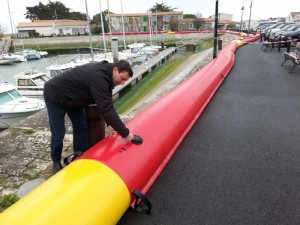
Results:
285 28
271 27
291 35
263 27
288 34
276 29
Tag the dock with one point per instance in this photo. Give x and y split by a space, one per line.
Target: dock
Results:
144 68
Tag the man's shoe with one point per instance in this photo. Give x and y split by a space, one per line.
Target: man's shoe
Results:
56 167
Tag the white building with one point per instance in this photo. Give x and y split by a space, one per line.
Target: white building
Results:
293 17
53 27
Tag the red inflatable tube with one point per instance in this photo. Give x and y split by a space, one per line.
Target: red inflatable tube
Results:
162 126
251 38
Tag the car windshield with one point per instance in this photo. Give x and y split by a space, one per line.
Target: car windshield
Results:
281 25
275 25
293 28
287 27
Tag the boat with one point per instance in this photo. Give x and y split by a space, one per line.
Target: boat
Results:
43 53
14 107
6 61
142 49
29 54
17 58
56 69
31 83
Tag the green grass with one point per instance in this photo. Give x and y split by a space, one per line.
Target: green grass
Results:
206 44
146 85
28 131
7 200
31 176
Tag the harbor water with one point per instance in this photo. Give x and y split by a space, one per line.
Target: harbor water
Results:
8 72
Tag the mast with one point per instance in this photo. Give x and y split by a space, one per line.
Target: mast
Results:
109 27
102 25
150 25
88 19
123 28
11 26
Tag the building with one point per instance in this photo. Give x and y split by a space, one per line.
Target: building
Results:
145 22
193 24
293 17
224 21
52 28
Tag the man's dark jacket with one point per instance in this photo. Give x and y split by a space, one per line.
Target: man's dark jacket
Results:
84 85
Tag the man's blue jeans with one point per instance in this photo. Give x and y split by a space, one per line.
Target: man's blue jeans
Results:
56 116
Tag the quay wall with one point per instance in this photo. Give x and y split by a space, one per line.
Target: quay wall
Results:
50 41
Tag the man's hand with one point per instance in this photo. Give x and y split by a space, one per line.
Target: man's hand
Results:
111 131
129 138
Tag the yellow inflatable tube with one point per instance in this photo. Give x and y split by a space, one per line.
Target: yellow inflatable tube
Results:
101 197
238 42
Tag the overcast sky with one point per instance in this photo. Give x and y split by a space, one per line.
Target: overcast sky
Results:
261 9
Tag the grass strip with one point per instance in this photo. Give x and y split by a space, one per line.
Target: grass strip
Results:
147 84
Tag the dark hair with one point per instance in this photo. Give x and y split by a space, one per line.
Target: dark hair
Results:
123 65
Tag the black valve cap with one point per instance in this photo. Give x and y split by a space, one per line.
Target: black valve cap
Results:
137 140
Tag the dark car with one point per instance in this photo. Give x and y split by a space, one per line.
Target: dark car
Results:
288 34
262 27
291 35
274 36
266 29
276 29
269 27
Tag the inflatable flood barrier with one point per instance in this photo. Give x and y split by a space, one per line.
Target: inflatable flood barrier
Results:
97 187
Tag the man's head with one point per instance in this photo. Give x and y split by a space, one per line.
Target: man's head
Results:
122 71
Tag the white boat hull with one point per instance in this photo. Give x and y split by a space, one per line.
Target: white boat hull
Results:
14 107
8 119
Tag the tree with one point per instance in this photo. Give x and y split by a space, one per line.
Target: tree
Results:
174 24
199 23
161 7
189 16
53 10
96 21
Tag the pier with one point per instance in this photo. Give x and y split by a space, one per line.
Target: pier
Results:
144 68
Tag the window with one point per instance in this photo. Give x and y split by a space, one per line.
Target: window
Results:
167 18
15 94
38 81
191 26
5 97
45 78
25 82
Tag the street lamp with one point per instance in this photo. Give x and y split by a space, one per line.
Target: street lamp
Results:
250 17
242 9
216 29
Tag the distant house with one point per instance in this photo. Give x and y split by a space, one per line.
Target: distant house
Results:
224 21
293 17
145 22
191 24
52 27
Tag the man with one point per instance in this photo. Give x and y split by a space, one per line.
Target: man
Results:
70 92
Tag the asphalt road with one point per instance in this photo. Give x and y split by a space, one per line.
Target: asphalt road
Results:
240 163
